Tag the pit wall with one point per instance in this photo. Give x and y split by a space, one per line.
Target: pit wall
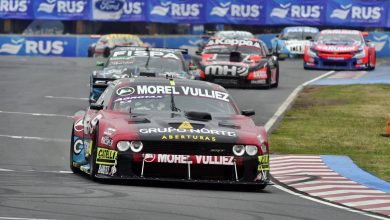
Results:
77 45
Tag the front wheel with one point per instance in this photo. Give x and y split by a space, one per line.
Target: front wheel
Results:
106 52
276 84
92 158
268 81
72 146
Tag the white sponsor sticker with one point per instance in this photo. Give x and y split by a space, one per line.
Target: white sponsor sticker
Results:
189 159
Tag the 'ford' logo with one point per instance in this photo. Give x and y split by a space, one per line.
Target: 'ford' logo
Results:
109 5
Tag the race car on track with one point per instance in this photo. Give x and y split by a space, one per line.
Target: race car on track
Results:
238 63
137 61
340 49
291 42
169 129
107 43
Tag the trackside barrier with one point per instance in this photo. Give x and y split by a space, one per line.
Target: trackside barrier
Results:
77 45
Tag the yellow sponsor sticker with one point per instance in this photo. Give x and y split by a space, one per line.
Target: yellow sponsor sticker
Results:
106 156
186 125
263 162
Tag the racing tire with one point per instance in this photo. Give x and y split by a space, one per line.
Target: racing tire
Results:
92 158
370 68
276 84
106 52
72 168
268 81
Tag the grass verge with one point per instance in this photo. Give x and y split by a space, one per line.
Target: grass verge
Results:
339 120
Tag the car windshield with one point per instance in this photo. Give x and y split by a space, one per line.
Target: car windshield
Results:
337 39
157 64
183 103
233 48
294 35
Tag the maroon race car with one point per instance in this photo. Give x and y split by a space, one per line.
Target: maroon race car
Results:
172 130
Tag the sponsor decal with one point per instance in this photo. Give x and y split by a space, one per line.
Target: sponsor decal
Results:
78 146
62 6
106 170
224 70
353 32
263 162
248 43
106 156
106 140
24 46
336 48
130 98
355 12
79 125
171 130
186 125
14 6
189 159
336 58
174 9
301 29
380 42
144 53
297 11
124 91
236 10
188 137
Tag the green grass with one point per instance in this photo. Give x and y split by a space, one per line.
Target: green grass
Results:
339 120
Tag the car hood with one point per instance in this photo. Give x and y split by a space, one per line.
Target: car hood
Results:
185 127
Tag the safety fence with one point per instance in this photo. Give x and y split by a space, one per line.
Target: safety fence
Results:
349 13
77 45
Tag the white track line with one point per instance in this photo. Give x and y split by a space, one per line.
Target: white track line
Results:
286 104
279 113
13 218
64 97
36 114
35 138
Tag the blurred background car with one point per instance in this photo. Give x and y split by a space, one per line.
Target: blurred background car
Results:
106 43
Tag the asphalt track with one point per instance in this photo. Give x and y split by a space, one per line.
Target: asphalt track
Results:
34 148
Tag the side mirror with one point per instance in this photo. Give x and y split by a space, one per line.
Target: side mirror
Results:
248 112
99 63
96 107
193 67
309 38
198 52
365 34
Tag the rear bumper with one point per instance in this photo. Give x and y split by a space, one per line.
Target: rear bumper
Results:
235 82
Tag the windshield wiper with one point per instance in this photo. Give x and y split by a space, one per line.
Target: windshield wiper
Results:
173 105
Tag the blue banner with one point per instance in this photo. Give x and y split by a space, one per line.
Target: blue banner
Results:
180 11
38 46
236 11
357 13
62 9
19 9
296 12
118 10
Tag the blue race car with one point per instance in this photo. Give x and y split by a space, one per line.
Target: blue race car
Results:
291 41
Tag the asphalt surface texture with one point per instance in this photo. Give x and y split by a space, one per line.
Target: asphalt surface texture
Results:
35 181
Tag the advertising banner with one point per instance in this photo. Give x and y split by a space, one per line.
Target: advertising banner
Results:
17 9
296 12
236 11
357 13
62 9
180 11
38 46
118 10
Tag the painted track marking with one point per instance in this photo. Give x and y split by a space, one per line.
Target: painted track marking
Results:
34 138
36 114
66 97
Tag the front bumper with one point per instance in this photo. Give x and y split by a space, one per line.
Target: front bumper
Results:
326 64
247 170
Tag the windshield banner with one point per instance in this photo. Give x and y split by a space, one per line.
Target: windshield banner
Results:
297 12
236 11
357 13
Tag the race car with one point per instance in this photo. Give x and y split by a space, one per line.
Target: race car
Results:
107 43
340 50
291 41
238 63
169 129
137 61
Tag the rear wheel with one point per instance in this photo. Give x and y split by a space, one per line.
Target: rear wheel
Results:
268 81
92 158
370 67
